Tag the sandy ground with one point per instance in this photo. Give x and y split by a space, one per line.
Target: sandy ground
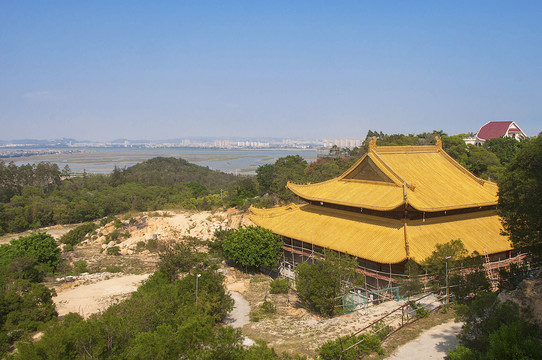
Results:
55 231
89 299
432 344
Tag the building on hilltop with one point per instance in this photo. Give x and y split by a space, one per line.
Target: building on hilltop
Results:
396 203
497 129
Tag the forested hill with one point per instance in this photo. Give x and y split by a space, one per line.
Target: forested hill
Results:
162 171
33 196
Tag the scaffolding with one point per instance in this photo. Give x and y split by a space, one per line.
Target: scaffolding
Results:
359 299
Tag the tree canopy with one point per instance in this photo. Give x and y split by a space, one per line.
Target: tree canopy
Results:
520 197
319 284
252 246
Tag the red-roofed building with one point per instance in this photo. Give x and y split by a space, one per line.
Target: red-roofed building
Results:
497 129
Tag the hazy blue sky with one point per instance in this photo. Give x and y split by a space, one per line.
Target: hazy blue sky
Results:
102 70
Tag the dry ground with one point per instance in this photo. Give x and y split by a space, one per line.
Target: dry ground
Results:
292 328
92 297
90 294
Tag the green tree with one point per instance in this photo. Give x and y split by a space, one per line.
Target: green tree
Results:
494 330
480 161
322 170
411 285
252 247
505 148
41 246
177 258
265 174
435 264
520 197
75 236
245 189
289 168
455 147
319 284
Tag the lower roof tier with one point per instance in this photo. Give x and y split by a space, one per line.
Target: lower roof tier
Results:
383 240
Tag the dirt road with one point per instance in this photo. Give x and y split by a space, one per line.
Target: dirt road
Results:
432 344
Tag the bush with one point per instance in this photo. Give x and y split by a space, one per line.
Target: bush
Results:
252 247
421 311
332 350
267 307
113 250
178 258
80 267
279 286
113 269
75 236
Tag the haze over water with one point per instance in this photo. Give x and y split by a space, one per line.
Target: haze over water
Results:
104 160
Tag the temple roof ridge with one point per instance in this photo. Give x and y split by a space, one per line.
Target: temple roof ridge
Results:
425 177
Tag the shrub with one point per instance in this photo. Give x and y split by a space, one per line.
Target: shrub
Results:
495 330
279 286
113 269
80 266
332 349
252 247
75 236
113 250
267 307
421 311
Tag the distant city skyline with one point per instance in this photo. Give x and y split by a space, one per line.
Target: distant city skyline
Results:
105 70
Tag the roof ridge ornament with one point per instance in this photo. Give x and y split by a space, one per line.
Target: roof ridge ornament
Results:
438 142
372 144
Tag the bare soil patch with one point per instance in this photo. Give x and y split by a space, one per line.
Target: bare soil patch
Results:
136 259
92 297
55 231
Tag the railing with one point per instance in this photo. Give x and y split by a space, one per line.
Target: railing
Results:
407 317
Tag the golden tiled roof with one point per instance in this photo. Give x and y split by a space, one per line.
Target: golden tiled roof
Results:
380 239
388 177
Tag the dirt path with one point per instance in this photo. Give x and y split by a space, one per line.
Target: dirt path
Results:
91 298
239 316
432 344
240 313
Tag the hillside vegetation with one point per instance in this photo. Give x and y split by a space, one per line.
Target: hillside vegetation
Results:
33 196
